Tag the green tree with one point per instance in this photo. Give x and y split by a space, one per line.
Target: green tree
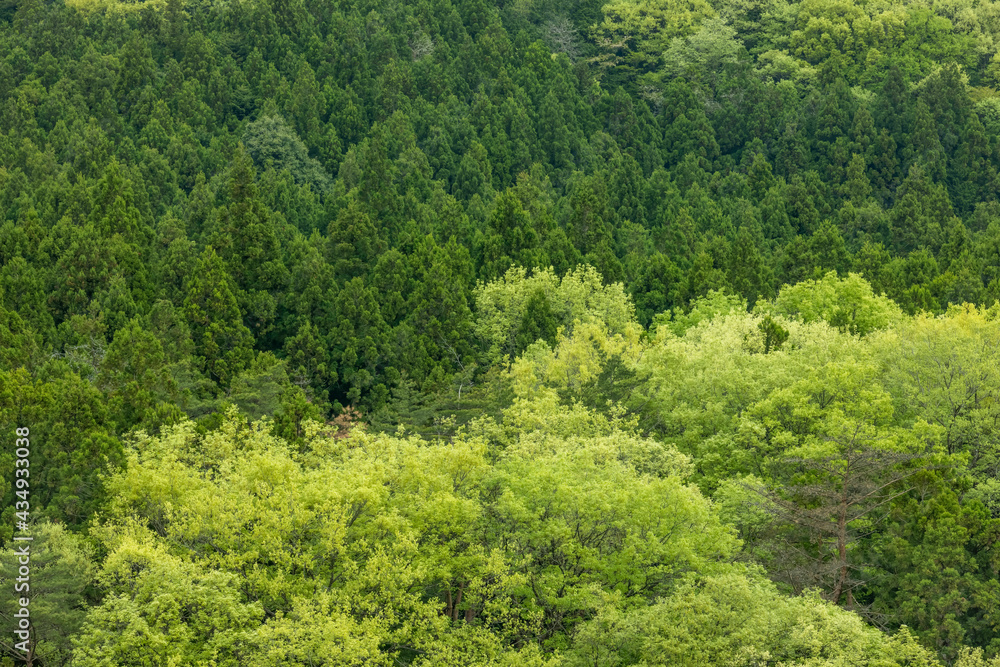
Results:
354 244
511 239
646 28
221 339
62 569
717 619
941 582
846 303
271 142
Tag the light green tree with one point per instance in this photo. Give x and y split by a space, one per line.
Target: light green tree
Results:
739 618
645 28
848 303
508 308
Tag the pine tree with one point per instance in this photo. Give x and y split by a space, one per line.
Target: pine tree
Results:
793 151
20 347
307 105
221 340
353 243
474 173
114 207
857 188
893 107
358 342
691 134
759 178
801 206
747 273
863 130
832 130
309 361
884 172
246 240
936 550
511 239
921 209
950 105
553 133
972 173
925 146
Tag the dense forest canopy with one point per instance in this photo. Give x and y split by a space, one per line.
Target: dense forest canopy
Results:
533 332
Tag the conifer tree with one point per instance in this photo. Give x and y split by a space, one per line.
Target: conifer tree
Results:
222 341
246 240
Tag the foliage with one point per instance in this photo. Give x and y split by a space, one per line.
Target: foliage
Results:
739 619
508 291
846 303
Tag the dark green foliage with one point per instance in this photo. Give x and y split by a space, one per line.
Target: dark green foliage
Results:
774 334
942 560
537 323
222 342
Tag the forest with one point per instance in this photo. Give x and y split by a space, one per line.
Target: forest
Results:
542 333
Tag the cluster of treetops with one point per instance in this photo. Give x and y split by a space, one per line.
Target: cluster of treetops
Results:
582 333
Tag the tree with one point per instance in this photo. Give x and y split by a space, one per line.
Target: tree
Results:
884 166
353 243
135 375
863 131
704 53
247 242
832 130
83 267
270 141
19 345
309 361
62 569
160 609
474 173
857 188
74 437
692 134
939 578
646 28
924 147
831 493
656 289
972 173
846 303
893 107
324 559
217 328
735 615
921 209
945 375
747 272
358 340
580 296
511 239
589 225
575 545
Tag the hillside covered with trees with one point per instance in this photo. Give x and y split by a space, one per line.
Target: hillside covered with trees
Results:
523 332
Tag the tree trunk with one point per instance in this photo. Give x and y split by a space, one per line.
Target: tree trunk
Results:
458 601
841 550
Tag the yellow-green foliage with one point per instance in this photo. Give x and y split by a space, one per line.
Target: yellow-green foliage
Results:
116 6
736 619
647 26
846 303
579 296
374 542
